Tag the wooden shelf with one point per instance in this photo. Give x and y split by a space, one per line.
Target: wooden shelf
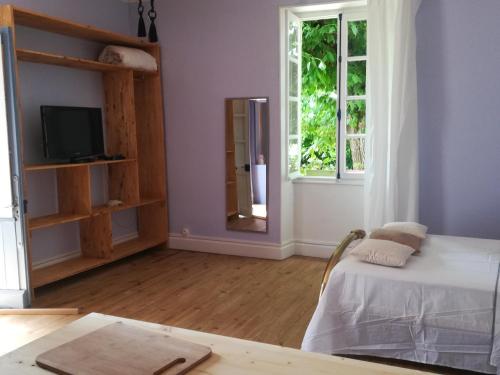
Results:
134 246
29 18
73 62
59 271
71 267
105 208
42 167
55 219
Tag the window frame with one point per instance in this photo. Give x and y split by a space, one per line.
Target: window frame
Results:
349 13
288 98
347 17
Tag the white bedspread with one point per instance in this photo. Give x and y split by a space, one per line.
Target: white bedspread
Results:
438 309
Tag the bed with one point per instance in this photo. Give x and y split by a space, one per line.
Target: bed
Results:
439 309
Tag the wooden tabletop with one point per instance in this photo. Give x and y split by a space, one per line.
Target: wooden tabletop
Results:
230 356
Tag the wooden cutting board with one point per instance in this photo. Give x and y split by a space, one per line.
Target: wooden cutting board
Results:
122 349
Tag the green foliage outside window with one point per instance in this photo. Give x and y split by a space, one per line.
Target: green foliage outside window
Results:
319 95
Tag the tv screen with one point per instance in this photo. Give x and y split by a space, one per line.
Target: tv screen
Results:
72 132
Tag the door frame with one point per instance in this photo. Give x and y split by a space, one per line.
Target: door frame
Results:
20 297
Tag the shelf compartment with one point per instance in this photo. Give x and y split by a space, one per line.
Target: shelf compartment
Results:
44 167
134 246
52 220
71 267
62 270
73 62
123 183
56 25
73 195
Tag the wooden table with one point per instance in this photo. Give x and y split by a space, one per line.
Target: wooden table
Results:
230 356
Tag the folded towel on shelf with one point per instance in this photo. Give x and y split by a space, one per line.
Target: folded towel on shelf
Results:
128 57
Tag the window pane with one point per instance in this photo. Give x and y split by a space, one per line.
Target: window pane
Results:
356 38
293 40
319 97
355 155
356 117
293 156
356 78
294 120
294 79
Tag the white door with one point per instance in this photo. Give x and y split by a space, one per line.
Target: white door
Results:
13 270
242 156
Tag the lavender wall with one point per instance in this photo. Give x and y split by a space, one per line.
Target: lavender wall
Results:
214 50
458 66
229 48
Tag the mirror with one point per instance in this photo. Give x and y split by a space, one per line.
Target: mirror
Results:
247 160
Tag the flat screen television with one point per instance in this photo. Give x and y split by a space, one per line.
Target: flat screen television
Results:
73 133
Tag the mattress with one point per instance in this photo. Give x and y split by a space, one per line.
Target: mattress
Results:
439 309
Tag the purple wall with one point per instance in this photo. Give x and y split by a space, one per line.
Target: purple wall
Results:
459 108
229 48
214 50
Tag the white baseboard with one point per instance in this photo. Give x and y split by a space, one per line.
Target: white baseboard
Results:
250 248
314 249
75 254
230 247
214 245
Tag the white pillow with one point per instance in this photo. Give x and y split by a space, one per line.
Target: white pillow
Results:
383 252
416 229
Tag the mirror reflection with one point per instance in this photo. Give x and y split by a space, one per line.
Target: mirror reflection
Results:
247 158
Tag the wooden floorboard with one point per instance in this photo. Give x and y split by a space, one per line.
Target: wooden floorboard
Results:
261 300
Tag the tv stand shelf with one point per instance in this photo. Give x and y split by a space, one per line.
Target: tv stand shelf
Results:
44 167
133 105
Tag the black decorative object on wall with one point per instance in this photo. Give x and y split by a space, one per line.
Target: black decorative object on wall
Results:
153 35
141 30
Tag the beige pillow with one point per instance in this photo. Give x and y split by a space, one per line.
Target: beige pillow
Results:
416 229
399 237
383 252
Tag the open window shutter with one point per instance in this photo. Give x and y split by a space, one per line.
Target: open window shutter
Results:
294 69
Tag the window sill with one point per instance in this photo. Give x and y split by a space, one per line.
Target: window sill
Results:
328 181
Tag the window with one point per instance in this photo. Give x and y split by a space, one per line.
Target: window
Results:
326 94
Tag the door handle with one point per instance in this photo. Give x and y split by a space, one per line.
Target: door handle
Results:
247 167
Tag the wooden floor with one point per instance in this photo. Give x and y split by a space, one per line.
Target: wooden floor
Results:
261 300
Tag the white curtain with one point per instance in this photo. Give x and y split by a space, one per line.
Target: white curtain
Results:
391 169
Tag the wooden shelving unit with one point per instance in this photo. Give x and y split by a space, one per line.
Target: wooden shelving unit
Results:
134 128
